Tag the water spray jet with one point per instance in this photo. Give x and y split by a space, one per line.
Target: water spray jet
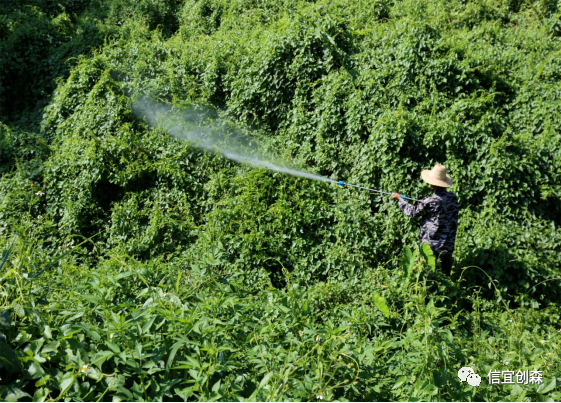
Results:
182 124
373 190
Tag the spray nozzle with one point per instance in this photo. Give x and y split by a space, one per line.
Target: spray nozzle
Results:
341 183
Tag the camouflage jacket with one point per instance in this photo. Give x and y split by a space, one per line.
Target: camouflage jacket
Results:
439 220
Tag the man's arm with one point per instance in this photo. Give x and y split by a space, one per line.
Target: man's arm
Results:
409 209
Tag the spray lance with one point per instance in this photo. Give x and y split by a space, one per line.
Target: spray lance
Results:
373 190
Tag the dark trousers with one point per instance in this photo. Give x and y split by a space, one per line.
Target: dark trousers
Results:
445 263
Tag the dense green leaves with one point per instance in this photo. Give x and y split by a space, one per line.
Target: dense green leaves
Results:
148 269
38 40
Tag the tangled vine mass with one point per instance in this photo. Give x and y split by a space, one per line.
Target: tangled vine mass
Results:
137 266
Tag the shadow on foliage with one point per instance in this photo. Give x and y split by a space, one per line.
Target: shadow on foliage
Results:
516 281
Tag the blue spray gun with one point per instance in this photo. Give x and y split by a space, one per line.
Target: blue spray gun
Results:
373 190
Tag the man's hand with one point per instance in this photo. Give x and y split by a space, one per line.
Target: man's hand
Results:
396 196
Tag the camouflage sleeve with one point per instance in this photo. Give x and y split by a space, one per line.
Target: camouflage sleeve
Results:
414 211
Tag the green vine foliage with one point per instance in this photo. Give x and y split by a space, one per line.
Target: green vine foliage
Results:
370 92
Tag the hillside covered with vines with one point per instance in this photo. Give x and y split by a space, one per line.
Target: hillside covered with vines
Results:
142 267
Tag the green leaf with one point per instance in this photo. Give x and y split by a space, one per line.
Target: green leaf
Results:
148 324
125 392
14 394
440 377
284 308
176 346
69 330
545 388
91 298
9 358
381 304
430 389
50 347
190 363
517 393
406 258
330 39
47 332
426 252
42 381
178 282
5 320
35 370
102 356
66 383
113 347
412 264
400 381
263 382
93 334
40 394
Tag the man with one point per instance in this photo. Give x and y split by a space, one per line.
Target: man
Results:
439 214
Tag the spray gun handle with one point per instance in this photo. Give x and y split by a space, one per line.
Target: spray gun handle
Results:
402 196
341 183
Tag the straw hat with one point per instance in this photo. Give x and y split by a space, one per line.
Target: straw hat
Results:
437 176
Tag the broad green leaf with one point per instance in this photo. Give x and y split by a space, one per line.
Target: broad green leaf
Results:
440 377
42 381
284 308
148 324
406 258
263 382
517 393
102 356
9 359
547 387
426 251
69 330
50 347
40 394
178 282
47 332
381 304
114 347
13 394
66 383
91 298
35 370
176 346
400 381
5 319
430 389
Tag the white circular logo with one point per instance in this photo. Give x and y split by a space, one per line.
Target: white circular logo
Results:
473 379
464 372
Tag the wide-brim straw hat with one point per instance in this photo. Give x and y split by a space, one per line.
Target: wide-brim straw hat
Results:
437 176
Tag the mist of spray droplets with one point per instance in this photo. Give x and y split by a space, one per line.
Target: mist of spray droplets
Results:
204 131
